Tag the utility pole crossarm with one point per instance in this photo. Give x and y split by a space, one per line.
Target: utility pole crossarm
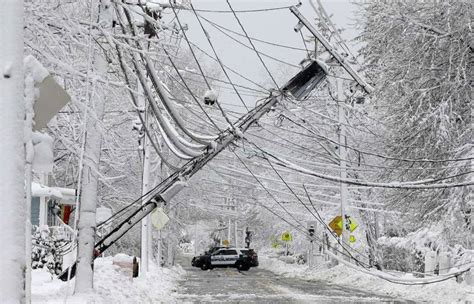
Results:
332 50
299 86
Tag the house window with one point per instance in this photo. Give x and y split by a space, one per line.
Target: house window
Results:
53 209
35 210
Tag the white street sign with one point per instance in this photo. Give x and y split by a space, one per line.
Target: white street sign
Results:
159 218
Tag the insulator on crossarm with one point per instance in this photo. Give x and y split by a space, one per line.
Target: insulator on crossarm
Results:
210 97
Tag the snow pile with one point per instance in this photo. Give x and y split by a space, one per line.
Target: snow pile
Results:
35 69
122 258
43 147
281 267
447 291
111 285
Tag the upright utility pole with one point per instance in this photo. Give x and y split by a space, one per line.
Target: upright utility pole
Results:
12 160
236 238
158 178
342 159
146 237
229 230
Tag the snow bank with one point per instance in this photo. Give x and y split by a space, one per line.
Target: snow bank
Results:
447 292
111 285
122 258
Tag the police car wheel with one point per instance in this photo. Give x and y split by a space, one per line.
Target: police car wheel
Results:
242 267
206 266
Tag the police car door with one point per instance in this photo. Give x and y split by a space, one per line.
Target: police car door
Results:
217 258
230 257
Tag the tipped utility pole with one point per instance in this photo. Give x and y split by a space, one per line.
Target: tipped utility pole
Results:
299 87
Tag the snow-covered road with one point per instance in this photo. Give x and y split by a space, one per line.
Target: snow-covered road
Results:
262 286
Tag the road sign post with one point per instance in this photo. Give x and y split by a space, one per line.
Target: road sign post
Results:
287 238
248 236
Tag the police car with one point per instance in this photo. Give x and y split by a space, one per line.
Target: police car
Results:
241 258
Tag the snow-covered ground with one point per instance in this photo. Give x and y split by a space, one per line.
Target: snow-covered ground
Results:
111 285
444 292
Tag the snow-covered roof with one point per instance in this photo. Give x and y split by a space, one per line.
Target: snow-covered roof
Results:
68 195
42 190
65 195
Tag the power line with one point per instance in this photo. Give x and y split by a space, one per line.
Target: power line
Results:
317 218
226 82
217 57
414 185
304 42
230 69
263 186
385 156
253 38
294 226
189 89
269 9
253 46
124 68
198 64
250 48
394 280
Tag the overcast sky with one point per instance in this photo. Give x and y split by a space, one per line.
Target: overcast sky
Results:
275 26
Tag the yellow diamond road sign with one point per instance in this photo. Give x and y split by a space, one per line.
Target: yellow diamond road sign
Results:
286 237
336 224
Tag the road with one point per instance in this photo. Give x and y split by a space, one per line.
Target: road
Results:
227 285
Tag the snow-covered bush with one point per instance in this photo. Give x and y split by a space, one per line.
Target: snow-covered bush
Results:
48 248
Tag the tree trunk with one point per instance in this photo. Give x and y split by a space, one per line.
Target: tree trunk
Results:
12 162
87 211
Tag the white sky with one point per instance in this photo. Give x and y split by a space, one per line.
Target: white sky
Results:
274 26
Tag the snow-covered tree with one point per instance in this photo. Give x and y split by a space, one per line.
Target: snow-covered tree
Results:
419 55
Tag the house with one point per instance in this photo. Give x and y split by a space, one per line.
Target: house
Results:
51 206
